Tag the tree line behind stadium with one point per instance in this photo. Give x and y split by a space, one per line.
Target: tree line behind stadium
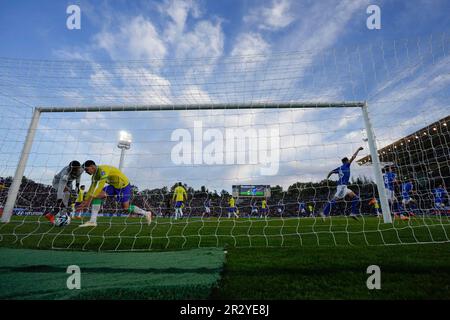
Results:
40 198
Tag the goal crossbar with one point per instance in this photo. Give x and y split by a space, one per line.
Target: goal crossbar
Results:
205 106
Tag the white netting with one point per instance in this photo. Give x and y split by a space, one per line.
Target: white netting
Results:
405 83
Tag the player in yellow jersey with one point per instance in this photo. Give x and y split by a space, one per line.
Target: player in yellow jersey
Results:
376 206
264 209
232 209
311 210
118 187
179 196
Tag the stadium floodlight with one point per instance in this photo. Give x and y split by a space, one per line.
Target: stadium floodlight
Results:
125 139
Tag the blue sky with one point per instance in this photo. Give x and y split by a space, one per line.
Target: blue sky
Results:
38 29
188 52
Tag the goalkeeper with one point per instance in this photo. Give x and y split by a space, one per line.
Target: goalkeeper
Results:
63 183
118 186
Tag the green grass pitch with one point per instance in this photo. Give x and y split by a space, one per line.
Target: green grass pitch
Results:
291 258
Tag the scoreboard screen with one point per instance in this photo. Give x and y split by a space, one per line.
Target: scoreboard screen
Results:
251 191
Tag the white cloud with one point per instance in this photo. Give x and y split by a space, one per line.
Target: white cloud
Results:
206 40
194 95
178 12
248 44
70 54
140 85
323 26
275 17
261 76
410 93
128 84
202 48
136 39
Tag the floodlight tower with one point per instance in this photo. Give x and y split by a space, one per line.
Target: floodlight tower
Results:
124 144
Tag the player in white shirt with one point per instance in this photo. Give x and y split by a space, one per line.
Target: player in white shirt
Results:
63 184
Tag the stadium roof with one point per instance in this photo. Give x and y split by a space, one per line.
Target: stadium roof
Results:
424 153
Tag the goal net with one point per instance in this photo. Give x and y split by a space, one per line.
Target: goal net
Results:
257 142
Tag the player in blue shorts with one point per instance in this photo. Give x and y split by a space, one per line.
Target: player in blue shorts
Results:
280 207
342 191
407 201
301 208
254 209
439 194
207 205
390 181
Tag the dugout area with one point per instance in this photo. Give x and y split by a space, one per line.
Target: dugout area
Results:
42 274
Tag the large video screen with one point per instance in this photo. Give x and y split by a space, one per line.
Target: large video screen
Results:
252 190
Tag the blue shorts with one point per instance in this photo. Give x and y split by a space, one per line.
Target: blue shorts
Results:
263 210
439 204
232 209
178 204
122 195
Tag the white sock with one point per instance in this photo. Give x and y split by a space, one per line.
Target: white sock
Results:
139 210
66 198
95 210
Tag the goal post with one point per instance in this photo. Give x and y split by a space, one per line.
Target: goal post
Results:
20 169
19 173
387 217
